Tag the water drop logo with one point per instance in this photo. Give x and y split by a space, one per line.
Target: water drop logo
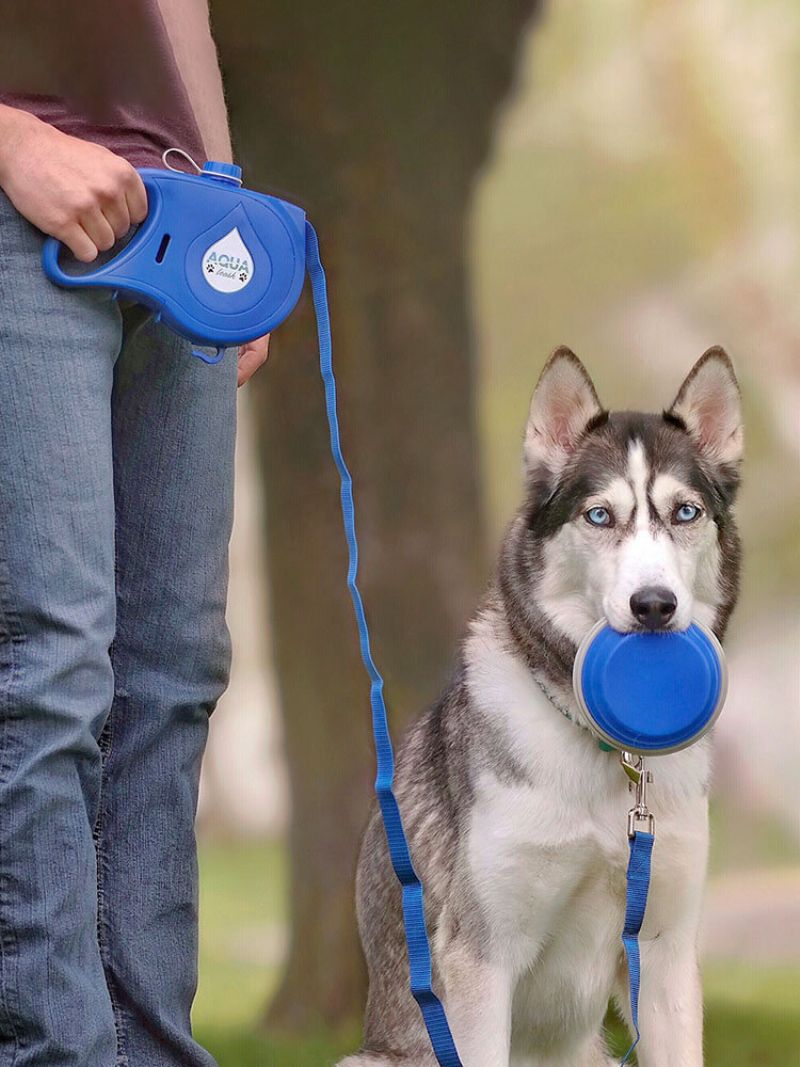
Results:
228 264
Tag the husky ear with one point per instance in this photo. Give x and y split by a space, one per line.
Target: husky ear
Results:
564 403
708 405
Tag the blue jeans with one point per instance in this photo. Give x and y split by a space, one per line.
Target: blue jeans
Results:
116 483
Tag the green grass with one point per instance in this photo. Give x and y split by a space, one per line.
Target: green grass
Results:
752 1013
242 931
248 1049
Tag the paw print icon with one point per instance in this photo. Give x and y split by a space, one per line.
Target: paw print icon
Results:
209 268
243 276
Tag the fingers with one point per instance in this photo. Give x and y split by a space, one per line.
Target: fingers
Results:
118 216
98 229
79 243
136 198
124 202
109 219
252 356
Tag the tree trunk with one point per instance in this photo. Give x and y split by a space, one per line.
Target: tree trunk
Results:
376 118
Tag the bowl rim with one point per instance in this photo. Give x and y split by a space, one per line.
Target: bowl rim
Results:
599 732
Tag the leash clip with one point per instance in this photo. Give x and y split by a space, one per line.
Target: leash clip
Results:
639 817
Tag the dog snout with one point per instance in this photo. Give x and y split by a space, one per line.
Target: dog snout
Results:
654 606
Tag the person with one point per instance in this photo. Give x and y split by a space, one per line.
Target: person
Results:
116 482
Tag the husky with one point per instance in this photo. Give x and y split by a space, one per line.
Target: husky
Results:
515 816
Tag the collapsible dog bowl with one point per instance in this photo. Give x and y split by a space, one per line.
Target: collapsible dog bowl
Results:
650 693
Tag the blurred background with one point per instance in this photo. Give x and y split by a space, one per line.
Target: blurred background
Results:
490 180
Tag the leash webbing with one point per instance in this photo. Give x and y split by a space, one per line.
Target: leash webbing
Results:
641 850
419 952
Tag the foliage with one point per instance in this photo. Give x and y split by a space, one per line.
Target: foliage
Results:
632 212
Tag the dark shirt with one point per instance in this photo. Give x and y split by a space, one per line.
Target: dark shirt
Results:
101 70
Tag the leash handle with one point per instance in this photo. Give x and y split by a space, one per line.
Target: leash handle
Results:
419 951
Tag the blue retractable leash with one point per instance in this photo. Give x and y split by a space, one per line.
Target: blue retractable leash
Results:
222 265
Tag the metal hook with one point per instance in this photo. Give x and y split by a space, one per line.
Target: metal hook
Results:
639 817
632 765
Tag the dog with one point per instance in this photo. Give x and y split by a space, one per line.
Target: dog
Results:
516 817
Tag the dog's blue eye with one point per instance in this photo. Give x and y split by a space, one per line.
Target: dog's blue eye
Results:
599 516
687 513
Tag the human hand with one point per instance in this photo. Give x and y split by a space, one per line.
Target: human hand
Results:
74 190
252 356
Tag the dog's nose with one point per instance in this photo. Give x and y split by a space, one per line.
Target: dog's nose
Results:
654 606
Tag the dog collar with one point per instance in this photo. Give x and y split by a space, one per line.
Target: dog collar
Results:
601 744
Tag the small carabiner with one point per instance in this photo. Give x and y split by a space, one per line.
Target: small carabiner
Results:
639 817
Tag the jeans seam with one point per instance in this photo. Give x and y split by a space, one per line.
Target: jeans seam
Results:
9 947
122 1057
105 743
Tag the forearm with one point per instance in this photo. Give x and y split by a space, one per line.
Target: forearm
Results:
15 125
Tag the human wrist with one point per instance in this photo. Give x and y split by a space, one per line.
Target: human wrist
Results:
15 124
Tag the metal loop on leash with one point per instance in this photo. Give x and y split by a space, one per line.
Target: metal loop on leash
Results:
165 160
639 817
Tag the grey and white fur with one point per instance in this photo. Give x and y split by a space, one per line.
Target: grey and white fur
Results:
516 818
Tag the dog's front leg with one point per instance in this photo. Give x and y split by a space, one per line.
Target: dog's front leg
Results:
671 1005
478 1003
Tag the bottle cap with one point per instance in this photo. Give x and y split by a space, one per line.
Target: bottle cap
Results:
228 172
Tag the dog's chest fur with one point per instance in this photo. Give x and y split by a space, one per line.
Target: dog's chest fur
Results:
547 846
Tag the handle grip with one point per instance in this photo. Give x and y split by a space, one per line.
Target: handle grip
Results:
103 274
54 270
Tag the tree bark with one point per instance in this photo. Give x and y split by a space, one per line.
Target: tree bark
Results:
377 119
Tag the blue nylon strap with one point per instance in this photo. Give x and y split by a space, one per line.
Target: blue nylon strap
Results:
419 952
638 886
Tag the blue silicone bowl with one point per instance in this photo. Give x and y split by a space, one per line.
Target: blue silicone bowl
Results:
650 693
